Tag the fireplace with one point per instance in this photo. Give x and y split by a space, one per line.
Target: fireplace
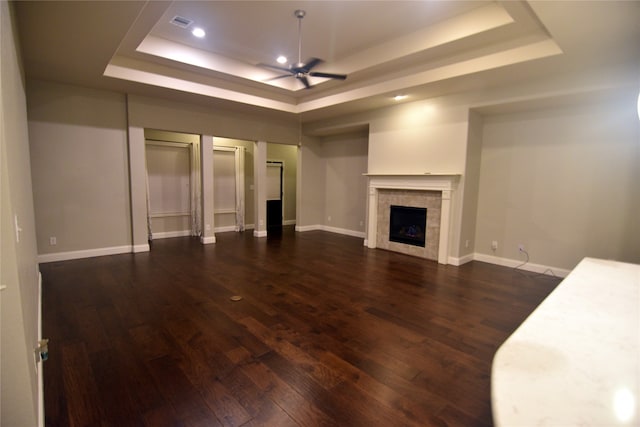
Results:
433 192
408 225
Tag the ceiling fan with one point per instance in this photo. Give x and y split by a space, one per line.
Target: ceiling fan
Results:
300 70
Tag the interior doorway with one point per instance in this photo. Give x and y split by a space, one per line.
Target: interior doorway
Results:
281 184
173 184
275 207
228 188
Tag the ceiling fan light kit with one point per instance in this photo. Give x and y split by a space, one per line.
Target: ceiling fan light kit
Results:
300 70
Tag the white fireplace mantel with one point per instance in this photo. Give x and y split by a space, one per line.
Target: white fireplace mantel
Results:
445 183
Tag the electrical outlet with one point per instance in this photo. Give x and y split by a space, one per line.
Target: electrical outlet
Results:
53 241
520 247
329 218
494 245
466 243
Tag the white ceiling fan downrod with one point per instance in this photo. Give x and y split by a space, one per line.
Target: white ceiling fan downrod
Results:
299 14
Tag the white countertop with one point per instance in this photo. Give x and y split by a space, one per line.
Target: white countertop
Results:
575 360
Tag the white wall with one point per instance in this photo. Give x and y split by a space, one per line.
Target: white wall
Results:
80 169
562 181
19 397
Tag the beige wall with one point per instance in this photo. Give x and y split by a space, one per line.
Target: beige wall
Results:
173 116
179 117
345 200
311 184
413 138
81 154
418 137
519 171
19 398
468 188
437 136
161 135
562 181
423 137
289 155
80 170
333 184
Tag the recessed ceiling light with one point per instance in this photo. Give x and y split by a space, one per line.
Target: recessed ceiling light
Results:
399 97
198 32
282 59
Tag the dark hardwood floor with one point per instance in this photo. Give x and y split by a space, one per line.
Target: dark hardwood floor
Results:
328 333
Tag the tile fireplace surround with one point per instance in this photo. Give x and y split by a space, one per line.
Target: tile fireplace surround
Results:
431 191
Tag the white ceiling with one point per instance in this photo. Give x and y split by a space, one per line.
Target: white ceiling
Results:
419 48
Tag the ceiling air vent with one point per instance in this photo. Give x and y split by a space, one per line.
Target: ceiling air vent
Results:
181 21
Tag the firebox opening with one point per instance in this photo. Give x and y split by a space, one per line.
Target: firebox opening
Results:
408 225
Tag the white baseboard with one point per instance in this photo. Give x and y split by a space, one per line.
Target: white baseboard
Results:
224 229
207 240
536 268
170 234
344 231
320 227
459 261
303 228
259 233
88 253
140 248
289 222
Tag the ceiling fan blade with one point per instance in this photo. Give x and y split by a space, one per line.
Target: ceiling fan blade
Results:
311 62
305 82
275 67
277 77
328 75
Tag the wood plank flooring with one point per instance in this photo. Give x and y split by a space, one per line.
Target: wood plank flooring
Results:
328 333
